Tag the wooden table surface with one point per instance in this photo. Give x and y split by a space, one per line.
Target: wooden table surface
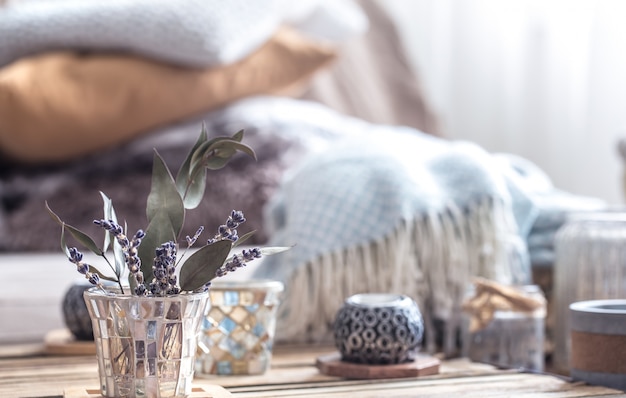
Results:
24 372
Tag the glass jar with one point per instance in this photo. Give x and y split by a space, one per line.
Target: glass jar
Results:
590 264
513 338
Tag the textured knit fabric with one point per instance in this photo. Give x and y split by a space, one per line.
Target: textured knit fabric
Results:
196 33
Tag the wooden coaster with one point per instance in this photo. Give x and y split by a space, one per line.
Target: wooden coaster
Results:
332 365
62 342
206 391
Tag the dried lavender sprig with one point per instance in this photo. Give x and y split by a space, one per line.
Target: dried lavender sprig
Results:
134 262
238 261
115 229
76 257
192 240
163 269
129 248
229 230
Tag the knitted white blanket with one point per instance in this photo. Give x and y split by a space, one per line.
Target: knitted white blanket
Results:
195 33
187 32
388 209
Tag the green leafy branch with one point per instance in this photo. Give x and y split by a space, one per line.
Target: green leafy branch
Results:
166 205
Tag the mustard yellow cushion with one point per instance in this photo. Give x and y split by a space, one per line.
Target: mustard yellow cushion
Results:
62 105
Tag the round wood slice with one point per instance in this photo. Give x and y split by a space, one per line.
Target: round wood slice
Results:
62 342
332 365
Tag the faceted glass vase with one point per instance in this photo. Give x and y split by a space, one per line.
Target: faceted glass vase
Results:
238 331
145 345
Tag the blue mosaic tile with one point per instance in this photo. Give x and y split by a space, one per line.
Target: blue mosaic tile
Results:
224 368
231 298
227 325
258 330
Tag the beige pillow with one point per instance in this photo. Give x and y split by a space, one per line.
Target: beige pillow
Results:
62 105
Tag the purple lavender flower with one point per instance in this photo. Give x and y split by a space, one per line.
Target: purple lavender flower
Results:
251 254
163 269
140 290
115 229
129 248
238 261
237 217
229 230
76 257
94 279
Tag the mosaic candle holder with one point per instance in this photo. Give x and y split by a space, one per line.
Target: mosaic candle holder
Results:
145 345
238 332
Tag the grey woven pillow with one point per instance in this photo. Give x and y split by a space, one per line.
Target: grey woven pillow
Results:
198 33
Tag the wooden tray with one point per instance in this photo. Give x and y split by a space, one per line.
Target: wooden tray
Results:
62 342
206 391
332 365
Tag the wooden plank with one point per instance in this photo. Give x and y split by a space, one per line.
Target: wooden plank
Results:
510 385
62 342
208 391
21 350
292 376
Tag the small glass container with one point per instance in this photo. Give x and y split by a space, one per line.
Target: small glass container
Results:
512 338
590 264
238 332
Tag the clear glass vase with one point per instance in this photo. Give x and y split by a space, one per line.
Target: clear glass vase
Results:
145 345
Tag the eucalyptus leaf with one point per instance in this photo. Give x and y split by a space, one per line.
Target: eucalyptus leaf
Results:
159 231
119 258
192 183
94 270
164 196
80 236
215 154
194 194
109 239
268 251
203 151
215 163
210 154
232 144
222 151
64 247
84 239
243 238
107 214
227 148
201 266
238 136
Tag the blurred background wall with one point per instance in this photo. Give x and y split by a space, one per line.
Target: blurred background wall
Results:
545 79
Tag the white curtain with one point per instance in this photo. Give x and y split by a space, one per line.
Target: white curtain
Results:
544 79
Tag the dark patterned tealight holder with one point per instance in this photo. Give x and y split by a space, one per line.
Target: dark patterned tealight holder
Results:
378 336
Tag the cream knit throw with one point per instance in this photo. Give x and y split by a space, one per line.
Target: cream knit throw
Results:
392 210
